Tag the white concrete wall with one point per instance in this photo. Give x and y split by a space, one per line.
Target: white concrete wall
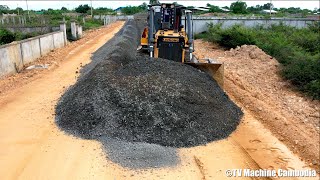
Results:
46 44
58 39
30 50
201 24
10 59
14 55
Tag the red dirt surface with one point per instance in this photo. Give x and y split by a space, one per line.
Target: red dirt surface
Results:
252 80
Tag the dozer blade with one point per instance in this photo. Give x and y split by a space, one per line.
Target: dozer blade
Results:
213 68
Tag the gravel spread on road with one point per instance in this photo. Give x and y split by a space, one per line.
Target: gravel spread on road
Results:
146 106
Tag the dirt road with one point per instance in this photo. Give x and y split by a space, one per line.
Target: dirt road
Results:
32 147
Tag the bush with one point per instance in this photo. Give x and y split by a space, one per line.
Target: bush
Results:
6 36
236 36
91 24
296 49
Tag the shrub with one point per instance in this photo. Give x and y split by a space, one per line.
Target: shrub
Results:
296 49
236 36
6 36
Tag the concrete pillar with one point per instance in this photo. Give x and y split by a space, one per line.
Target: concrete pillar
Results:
2 20
63 28
79 31
73 30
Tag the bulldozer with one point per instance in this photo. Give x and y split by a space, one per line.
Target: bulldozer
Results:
166 37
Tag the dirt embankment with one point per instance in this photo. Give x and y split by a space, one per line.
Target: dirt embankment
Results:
252 80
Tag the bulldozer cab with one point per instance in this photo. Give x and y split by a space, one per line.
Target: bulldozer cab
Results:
171 17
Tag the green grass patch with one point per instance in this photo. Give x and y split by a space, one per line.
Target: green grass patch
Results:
296 49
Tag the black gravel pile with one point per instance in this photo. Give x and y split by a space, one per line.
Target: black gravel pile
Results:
134 100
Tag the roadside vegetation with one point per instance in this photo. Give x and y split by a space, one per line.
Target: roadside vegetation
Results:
8 37
296 49
240 8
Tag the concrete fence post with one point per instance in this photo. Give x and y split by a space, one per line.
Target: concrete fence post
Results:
63 28
39 39
53 43
79 32
73 30
13 20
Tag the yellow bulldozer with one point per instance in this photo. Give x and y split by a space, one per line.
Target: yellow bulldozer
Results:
166 37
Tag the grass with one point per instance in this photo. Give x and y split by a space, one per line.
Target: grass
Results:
296 49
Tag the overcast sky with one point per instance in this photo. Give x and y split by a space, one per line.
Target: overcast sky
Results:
38 4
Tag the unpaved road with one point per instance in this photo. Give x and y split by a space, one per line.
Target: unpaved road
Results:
32 147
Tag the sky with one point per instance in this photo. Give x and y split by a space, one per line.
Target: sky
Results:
38 4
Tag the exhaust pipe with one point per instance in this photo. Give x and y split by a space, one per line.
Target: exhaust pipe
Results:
151 29
189 31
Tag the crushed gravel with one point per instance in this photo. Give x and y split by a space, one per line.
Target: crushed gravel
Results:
142 108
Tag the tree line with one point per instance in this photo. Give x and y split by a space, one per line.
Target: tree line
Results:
238 7
84 9
241 7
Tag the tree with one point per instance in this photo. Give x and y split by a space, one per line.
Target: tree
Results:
144 6
239 7
226 7
267 6
82 8
64 9
103 10
129 10
154 2
214 9
4 7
